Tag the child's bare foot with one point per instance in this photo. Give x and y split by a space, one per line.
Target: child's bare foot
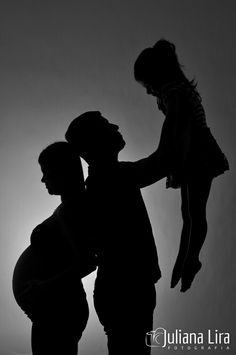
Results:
191 268
177 272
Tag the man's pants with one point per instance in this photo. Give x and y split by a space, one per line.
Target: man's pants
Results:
126 313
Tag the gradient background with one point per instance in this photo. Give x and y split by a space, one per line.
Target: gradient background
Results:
60 58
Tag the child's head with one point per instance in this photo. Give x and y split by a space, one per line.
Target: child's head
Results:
158 65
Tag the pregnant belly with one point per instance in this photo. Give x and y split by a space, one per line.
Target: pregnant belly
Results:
24 272
66 293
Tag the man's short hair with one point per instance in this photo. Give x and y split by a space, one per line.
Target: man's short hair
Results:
83 126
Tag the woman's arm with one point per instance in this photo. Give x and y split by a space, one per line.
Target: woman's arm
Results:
76 234
38 290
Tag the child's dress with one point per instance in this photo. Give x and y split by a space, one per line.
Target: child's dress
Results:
186 141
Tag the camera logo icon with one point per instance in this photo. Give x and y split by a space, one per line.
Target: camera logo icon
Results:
156 338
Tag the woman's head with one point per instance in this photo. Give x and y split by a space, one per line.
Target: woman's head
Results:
61 168
157 66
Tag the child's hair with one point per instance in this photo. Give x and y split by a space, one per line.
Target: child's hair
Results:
159 65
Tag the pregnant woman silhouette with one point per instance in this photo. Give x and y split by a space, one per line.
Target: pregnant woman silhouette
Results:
47 276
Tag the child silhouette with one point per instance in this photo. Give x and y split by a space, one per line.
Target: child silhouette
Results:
192 154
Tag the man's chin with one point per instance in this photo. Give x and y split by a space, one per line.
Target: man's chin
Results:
51 191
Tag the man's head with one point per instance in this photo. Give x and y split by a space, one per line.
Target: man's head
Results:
94 138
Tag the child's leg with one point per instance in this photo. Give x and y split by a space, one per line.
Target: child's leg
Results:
185 237
198 193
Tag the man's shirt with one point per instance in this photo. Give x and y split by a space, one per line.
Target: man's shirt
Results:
123 235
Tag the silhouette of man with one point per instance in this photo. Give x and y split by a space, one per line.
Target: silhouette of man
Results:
124 294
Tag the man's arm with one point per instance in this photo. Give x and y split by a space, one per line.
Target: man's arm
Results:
147 171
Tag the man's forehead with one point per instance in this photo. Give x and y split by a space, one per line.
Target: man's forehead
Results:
92 121
101 122
104 120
